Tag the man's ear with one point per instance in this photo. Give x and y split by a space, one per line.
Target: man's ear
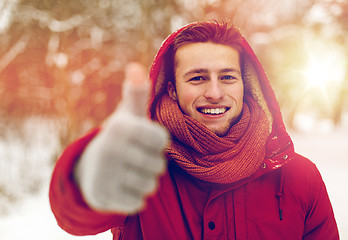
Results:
171 90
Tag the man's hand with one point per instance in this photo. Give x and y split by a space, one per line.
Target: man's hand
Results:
121 166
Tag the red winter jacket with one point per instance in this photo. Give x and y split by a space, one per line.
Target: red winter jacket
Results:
284 199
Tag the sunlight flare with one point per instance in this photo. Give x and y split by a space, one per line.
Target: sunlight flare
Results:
326 65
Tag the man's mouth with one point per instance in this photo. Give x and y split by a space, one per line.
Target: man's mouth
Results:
213 111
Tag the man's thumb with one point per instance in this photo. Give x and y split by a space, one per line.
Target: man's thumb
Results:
136 90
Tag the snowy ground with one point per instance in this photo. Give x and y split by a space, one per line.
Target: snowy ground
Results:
328 148
34 220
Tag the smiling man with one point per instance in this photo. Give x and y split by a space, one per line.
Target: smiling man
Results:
211 92
229 170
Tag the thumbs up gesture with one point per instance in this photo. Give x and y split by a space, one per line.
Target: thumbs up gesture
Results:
120 167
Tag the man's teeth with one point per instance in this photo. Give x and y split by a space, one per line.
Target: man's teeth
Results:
213 110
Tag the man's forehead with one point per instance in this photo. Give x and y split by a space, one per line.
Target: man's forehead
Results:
203 49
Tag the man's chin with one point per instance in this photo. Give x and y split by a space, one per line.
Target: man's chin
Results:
221 132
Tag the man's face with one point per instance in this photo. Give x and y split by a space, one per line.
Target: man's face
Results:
209 84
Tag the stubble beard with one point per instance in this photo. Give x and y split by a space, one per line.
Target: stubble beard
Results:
223 130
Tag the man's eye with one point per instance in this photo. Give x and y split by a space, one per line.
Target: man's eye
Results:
228 77
196 79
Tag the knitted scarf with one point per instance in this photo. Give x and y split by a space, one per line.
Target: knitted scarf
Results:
203 154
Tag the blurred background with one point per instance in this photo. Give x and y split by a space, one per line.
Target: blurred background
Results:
62 66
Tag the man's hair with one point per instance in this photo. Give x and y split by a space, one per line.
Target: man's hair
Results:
209 32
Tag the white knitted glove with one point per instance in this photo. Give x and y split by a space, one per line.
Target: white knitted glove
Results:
121 166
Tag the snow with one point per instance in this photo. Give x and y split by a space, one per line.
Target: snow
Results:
326 146
33 219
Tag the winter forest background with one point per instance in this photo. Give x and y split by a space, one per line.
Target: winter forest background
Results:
62 66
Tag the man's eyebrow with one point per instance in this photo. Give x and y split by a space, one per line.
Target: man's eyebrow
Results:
225 70
204 70
195 71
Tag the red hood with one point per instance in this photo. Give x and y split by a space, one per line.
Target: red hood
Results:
279 140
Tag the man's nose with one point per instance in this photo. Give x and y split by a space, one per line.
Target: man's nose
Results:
214 90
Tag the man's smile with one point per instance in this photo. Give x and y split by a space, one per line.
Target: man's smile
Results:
213 111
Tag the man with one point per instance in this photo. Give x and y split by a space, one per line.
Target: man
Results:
231 173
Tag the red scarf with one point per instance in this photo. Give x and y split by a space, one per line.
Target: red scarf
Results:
209 157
